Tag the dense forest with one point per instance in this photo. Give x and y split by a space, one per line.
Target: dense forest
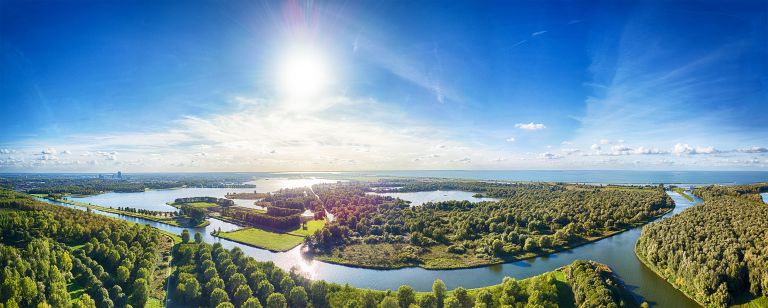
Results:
751 191
211 276
530 219
46 250
283 209
715 252
53 256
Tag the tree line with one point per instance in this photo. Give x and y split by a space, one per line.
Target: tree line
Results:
284 209
45 247
529 218
716 252
211 276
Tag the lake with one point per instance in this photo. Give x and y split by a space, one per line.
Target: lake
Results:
421 197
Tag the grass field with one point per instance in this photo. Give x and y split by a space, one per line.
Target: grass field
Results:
263 239
312 226
201 204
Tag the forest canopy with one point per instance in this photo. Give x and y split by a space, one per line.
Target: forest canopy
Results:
715 252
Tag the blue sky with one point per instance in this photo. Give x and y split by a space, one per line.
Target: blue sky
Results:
199 86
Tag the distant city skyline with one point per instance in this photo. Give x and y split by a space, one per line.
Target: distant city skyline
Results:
365 85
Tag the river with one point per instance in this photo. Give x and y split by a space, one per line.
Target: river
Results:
616 251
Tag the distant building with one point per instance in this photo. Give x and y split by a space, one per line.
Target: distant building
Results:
119 175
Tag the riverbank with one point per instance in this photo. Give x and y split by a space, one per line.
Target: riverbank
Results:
175 221
380 256
668 278
682 193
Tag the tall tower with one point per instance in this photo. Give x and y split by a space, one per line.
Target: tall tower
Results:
119 175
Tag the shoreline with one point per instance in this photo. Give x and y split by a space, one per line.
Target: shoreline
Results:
323 258
125 213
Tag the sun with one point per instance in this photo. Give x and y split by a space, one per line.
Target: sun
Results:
303 73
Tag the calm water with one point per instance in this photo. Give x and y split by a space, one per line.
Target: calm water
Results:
156 200
421 197
765 197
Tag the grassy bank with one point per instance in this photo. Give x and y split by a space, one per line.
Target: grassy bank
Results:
263 239
681 192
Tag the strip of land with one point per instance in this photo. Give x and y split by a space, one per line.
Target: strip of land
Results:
173 221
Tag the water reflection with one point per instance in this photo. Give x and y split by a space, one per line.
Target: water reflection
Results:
616 251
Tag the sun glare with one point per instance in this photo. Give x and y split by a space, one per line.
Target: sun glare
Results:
303 73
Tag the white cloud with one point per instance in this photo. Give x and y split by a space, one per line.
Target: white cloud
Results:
537 33
548 155
65 152
49 151
753 150
604 141
47 157
511 139
684 148
570 151
530 126
7 151
595 147
276 137
649 151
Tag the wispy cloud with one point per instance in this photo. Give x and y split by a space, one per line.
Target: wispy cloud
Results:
530 126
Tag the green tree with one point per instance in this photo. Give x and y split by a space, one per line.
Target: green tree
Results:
276 300
405 296
265 290
286 284
439 290
140 292
463 297
369 299
318 291
428 301
511 291
242 293
27 290
451 302
193 290
225 305
484 299
198 238
236 281
389 302
252 302
85 301
123 274
298 297
185 236
59 296
218 296
530 245
213 284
